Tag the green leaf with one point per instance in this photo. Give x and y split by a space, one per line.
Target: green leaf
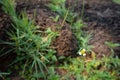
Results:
116 1
112 45
54 58
38 75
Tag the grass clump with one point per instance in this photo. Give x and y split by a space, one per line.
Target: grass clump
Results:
91 69
59 7
27 42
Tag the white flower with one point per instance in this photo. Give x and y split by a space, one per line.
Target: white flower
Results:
82 52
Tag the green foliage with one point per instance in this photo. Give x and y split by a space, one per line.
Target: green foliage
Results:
82 37
93 69
56 18
27 42
112 45
3 73
9 6
52 74
116 1
59 7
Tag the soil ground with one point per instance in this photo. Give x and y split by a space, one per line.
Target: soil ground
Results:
102 18
103 23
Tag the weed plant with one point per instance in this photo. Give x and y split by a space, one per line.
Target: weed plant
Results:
112 46
92 69
60 7
27 42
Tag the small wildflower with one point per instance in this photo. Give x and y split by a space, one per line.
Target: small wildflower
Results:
82 52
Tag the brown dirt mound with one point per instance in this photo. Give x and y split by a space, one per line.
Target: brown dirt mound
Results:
66 43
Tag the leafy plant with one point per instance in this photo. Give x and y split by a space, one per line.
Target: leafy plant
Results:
92 69
52 74
116 1
60 8
2 74
56 18
27 41
112 46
